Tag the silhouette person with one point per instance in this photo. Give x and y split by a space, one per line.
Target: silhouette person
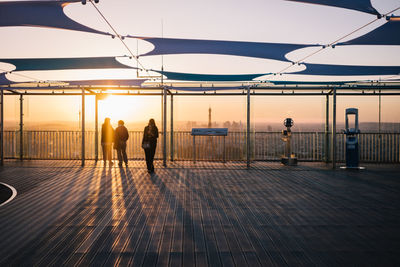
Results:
121 136
107 138
149 144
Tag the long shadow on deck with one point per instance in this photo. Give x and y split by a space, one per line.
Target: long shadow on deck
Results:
39 226
218 217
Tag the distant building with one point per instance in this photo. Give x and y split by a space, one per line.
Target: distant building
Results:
209 117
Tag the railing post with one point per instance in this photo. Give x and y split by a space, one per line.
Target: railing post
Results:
334 130
172 128
96 129
248 129
2 128
326 147
165 127
21 127
83 127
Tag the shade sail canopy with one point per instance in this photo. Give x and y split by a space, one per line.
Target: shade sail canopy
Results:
308 82
359 5
209 77
4 80
229 59
387 34
130 82
80 83
348 70
207 88
22 64
165 46
49 14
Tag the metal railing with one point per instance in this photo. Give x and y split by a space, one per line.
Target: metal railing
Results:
308 146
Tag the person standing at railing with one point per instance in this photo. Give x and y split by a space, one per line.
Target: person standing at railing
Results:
107 139
149 144
121 136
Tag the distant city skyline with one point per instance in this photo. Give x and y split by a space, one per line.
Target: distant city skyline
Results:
233 126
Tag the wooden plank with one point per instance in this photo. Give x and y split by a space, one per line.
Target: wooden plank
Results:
204 215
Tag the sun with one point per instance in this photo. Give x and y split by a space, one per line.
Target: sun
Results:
129 108
118 108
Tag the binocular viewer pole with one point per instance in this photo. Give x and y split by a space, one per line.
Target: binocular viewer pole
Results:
289 158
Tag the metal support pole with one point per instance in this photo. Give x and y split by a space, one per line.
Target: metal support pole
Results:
162 97
162 110
96 130
248 128
172 129
334 130
379 150
380 113
165 127
326 148
2 128
21 127
83 127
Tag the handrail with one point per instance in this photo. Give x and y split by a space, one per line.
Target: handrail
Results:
308 146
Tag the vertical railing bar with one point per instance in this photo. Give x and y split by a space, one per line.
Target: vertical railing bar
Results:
360 146
377 148
383 149
64 145
373 148
52 144
394 148
46 145
370 150
60 141
57 142
44 142
67 147
390 148
39 142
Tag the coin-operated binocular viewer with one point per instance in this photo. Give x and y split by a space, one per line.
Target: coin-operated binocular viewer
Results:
351 132
288 158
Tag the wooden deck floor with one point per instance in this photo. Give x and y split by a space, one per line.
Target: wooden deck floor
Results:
211 214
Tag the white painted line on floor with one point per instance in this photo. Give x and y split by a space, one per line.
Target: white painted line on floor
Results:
14 193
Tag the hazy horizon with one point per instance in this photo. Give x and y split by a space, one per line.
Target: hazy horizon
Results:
13 125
